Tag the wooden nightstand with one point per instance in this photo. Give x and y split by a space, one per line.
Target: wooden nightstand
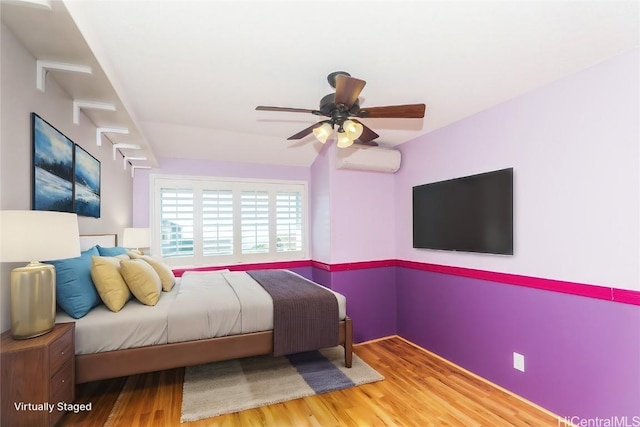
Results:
37 375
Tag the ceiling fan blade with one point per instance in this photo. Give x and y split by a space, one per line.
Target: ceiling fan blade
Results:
289 110
409 111
367 135
348 89
305 132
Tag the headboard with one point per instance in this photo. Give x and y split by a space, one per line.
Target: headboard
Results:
88 241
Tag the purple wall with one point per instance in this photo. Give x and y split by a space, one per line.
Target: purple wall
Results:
306 272
582 355
575 152
371 299
574 147
323 277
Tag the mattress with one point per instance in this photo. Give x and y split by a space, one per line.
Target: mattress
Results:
186 313
136 325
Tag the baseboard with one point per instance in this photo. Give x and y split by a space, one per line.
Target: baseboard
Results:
376 340
561 421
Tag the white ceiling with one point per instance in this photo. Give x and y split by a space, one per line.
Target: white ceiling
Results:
190 73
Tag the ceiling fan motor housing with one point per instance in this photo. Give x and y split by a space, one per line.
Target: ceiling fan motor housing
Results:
327 104
338 113
331 78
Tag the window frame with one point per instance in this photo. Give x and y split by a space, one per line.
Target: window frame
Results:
199 183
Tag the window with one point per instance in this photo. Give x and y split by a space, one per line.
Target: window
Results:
289 222
214 221
254 221
217 222
177 221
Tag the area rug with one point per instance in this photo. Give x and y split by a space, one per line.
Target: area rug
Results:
231 386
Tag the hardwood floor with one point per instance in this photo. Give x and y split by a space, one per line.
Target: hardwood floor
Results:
419 389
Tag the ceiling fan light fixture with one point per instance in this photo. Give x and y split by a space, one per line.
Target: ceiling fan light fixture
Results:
323 132
343 140
353 129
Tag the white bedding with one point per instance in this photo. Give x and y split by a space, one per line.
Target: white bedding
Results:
136 325
185 313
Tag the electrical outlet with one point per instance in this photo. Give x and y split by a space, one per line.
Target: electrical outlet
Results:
518 361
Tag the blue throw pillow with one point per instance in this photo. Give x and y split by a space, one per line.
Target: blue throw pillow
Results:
75 292
115 251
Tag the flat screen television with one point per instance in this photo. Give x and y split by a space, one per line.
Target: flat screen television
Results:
469 214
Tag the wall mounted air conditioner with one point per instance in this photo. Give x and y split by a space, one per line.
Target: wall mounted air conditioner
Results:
375 159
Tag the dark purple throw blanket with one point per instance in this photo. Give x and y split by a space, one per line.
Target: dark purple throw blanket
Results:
305 316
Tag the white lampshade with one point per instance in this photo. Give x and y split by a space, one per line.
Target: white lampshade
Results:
343 140
323 132
135 238
353 129
33 236
38 235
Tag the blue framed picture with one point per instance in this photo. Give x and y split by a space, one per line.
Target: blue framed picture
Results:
86 183
52 168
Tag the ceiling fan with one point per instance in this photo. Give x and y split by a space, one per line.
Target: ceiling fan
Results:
343 110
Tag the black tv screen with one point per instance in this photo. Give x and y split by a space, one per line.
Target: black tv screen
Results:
469 214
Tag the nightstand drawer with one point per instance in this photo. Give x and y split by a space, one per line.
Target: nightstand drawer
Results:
37 370
61 386
61 351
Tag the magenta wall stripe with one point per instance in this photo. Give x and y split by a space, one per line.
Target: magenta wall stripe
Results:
290 265
624 296
361 265
572 288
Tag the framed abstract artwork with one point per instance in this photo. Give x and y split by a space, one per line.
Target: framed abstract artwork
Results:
52 168
86 183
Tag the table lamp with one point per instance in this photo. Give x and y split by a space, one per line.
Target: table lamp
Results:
33 236
136 238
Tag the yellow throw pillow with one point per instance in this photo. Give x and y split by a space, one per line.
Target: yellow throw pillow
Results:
167 277
142 280
134 254
105 273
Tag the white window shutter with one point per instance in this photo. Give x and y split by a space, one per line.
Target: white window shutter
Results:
176 222
254 221
217 222
288 221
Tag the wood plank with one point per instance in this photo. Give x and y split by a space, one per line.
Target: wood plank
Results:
419 389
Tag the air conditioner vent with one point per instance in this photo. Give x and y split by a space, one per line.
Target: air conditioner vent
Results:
374 159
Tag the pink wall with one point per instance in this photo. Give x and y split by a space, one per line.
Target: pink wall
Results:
363 215
320 205
574 148
353 212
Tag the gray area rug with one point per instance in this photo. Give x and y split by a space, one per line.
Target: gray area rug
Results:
231 386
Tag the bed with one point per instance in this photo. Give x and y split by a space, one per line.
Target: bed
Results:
137 339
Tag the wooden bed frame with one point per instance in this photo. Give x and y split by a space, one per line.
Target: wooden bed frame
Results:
119 363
